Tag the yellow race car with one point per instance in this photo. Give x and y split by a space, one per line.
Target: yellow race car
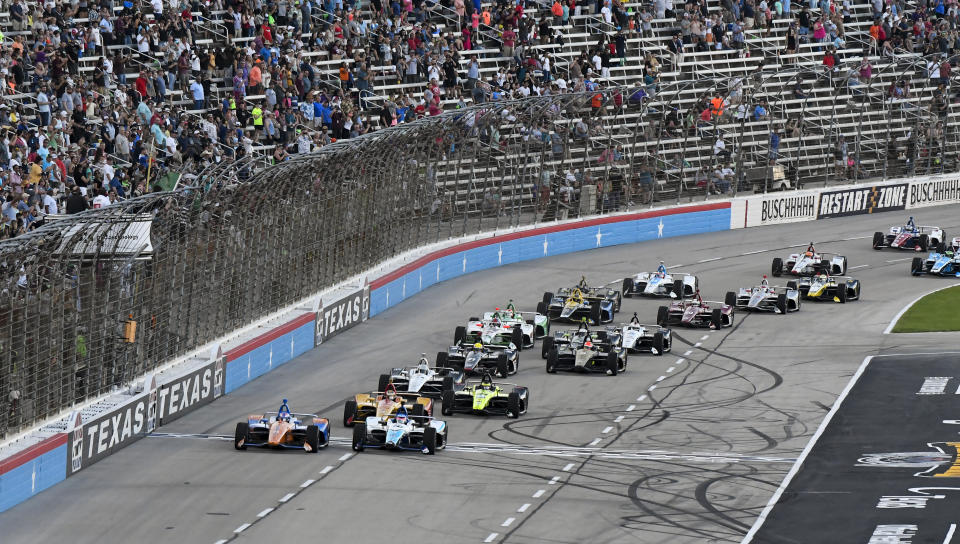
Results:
384 404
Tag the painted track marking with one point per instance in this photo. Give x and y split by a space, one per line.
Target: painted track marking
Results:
671 369
631 408
492 537
326 469
949 537
651 388
553 480
507 522
568 467
606 430
265 512
618 420
539 493
523 508
704 337
345 456
641 397
688 352
287 497
661 378
307 483
241 528
595 441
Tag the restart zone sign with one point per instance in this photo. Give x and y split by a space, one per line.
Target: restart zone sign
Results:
885 470
862 200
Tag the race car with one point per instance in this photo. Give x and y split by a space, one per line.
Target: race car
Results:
696 313
766 298
401 432
422 379
486 397
910 236
944 263
383 404
827 287
502 326
660 284
308 432
588 351
479 357
640 338
809 263
598 304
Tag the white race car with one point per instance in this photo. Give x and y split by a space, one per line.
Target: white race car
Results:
503 327
810 263
660 284
638 337
401 432
911 236
423 379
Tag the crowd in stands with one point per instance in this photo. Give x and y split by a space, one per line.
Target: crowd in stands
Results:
106 101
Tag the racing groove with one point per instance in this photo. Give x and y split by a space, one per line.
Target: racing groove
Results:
687 447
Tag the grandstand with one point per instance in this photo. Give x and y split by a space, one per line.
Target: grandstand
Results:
624 117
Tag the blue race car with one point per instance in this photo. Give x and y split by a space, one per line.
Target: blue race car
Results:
308 432
946 263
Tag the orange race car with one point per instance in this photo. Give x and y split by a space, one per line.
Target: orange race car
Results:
308 432
384 404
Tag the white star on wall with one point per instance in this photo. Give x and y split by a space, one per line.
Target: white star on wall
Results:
660 229
544 245
599 237
438 270
464 262
421 280
500 254
403 290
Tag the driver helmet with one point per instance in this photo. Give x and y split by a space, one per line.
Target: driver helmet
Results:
424 363
402 416
764 282
478 345
486 382
391 393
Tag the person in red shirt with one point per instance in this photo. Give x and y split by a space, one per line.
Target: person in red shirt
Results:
509 38
141 85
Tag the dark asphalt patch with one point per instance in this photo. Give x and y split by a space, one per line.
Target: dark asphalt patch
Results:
885 469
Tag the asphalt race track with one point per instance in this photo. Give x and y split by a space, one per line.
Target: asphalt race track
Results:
687 447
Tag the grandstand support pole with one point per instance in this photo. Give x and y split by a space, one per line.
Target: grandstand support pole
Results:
856 161
888 114
833 146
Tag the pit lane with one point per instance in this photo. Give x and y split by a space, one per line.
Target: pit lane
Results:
716 404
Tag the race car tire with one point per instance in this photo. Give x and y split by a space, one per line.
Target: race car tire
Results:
503 368
552 358
513 405
782 303
546 346
792 284
941 247
443 359
856 292
359 438
878 239
924 242
541 308
383 383
627 288
678 289
547 298
474 319
916 266
777 268
730 299
459 335
616 308
663 313
716 318
595 313
313 438
516 336
241 436
349 413
843 266
613 363
842 294
447 383
430 440
418 412
446 406
658 342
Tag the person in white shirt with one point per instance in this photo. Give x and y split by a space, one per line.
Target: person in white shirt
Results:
108 173
49 203
101 200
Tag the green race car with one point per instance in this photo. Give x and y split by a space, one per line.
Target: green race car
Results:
486 397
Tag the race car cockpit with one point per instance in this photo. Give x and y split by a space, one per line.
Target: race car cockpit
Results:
283 414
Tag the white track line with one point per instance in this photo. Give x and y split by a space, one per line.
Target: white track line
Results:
539 493
595 441
858 266
507 522
641 397
806 451
688 352
898 260
265 512
523 508
568 467
671 369
345 456
618 420
553 480
661 378
606 430
492 537
631 408
679 361
705 336
307 483
241 528
287 497
326 469
949 537
651 388
903 310
698 344
221 541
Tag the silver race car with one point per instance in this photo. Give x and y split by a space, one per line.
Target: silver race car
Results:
401 432
766 298
660 284
809 263
423 379
640 338
501 326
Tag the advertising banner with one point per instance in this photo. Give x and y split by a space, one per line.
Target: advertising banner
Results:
933 192
93 440
345 313
180 396
775 209
862 200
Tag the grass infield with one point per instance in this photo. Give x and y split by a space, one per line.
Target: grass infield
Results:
932 313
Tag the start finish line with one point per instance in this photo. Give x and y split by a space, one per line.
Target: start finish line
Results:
885 469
